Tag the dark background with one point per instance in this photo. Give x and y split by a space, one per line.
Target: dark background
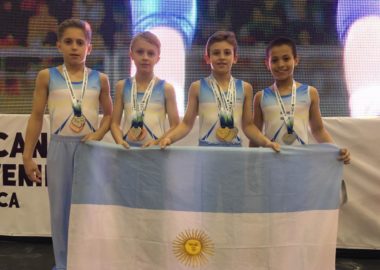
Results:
28 37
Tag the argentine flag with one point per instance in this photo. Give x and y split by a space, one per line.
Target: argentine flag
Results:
204 208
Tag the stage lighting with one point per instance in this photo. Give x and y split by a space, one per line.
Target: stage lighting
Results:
173 22
358 25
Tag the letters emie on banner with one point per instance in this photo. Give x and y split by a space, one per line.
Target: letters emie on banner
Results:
23 204
13 171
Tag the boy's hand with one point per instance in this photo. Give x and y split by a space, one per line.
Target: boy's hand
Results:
151 143
93 136
124 144
275 146
32 171
165 142
344 155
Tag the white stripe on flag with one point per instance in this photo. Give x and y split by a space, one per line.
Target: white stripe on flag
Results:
119 238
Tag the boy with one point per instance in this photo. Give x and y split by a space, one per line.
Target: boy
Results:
222 102
144 98
73 93
287 108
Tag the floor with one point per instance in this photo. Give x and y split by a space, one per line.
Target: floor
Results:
25 253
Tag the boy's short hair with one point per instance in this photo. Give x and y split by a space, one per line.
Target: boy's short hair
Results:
219 36
148 37
75 23
279 42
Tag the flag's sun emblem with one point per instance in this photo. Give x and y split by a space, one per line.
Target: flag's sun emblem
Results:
193 247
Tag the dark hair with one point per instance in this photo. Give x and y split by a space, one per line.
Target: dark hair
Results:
75 23
219 36
279 42
148 37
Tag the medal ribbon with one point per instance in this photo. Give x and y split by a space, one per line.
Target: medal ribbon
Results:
140 107
288 119
76 103
225 101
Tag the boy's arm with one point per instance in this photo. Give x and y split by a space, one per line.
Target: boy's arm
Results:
117 114
171 106
257 115
106 104
318 130
249 128
34 126
188 120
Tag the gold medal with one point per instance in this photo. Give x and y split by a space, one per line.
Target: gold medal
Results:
232 134
222 133
226 134
289 138
77 123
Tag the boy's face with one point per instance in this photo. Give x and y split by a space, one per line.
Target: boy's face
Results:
145 55
281 62
221 57
74 46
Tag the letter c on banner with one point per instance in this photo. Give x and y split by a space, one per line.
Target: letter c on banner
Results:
13 200
3 153
3 194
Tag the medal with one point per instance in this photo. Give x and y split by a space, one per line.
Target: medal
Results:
226 102
222 133
137 132
226 134
289 138
78 121
232 134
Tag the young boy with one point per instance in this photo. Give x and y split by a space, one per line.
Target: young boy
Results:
287 108
144 98
73 93
222 102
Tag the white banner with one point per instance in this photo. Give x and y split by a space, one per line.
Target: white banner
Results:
359 218
24 209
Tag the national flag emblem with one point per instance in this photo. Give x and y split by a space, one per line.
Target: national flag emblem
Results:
193 247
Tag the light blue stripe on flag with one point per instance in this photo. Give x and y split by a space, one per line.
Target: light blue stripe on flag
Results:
225 180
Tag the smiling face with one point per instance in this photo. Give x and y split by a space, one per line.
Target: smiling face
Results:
193 247
281 62
145 55
221 57
74 46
